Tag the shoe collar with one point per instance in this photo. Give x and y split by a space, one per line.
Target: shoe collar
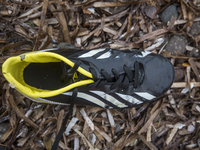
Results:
13 69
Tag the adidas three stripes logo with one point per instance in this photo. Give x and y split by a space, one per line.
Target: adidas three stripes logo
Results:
106 53
115 100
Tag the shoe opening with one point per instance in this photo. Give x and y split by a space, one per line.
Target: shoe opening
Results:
37 74
46 76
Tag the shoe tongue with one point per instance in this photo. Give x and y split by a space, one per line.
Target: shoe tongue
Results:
140 74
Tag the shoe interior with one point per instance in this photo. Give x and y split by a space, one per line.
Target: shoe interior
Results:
46 76
38 74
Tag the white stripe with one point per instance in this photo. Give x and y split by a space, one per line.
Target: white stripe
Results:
129 98
121 55
145 53
110 98
88 98
50 102
145 95
105 55
91 53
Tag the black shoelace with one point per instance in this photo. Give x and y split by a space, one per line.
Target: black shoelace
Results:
60 133
135 77
68 74
66 77
124 79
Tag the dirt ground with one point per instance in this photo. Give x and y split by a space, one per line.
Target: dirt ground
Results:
167 27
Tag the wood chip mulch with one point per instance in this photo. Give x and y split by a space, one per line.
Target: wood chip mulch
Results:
172 122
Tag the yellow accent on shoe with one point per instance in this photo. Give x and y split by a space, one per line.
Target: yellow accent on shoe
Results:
75 76
13 69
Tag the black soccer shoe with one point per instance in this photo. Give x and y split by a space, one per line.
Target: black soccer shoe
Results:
103 77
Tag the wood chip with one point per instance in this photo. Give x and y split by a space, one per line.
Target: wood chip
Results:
111 119
60 120
87 119
194 68
144 128
6 134
184 84
109 30
20 114
63 23
119 143
76 143
149 144
152 34
31 11
84 139
108 138
110 18
44 11
185 21
149 133
70 125
171 135
183 7
108 4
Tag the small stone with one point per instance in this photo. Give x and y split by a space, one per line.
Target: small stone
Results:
198 142
191 128
168 13
117 128
150 11
195 29
176 44
3 128
179 74
2 147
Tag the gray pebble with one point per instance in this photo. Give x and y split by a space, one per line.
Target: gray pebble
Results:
168 13
3 128
195 29
176 43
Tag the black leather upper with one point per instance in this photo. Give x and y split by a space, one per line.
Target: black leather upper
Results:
158 71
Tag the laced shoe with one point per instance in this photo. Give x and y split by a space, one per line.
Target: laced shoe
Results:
103 77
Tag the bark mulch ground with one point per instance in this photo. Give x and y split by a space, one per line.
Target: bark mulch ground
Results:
170 28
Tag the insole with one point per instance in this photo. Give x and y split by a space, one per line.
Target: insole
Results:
45 76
